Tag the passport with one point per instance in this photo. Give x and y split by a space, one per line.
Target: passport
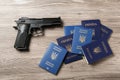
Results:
95 25
105 32
81 36
53 58
70 29
96 50
66 42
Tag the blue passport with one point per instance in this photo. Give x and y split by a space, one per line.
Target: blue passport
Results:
105 32
53 58
95 25
81 36
70 29
96 50
66 42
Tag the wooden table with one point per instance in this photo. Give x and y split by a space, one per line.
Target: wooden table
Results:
15 65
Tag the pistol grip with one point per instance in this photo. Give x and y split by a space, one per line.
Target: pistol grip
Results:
23 37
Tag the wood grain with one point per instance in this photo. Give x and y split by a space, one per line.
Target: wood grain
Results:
15 65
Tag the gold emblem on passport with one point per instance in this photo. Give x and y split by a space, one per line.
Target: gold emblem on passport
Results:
68 47
97 50
54 55
82 38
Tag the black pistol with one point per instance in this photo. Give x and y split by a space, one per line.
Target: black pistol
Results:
27 26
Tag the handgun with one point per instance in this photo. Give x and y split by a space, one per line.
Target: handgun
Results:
28 26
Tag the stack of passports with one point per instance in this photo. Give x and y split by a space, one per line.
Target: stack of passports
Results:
88 37
89 40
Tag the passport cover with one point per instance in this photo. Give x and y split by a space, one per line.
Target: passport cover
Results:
105 32
95 25
53 58
82 36
96 50
70 29
66 42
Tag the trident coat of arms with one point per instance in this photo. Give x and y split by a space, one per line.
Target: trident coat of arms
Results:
54 55
82 38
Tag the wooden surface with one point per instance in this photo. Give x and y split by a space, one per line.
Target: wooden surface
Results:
15 65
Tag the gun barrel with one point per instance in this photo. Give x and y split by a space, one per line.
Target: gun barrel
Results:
44 21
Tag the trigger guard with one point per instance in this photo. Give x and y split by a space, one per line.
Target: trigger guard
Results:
39 31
